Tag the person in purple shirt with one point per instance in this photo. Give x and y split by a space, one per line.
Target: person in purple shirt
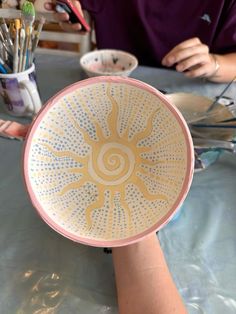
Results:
196 37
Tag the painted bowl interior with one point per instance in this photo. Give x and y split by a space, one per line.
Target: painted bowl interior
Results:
109 62
108 161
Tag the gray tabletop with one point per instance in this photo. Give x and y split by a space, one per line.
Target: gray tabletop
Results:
42 272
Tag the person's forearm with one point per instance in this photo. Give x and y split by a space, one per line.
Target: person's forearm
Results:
227 68
144 284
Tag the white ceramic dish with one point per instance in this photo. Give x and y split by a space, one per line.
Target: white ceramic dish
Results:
108 62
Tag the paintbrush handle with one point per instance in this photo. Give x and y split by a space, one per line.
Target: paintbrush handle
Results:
2 69
214 126
7 35
215 102
35 42
7 68
213 144
37 37
20 60
16 58
4 43
34 46
27 39
22 43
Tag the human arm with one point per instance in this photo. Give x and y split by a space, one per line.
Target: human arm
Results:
194 59
63 18
143 281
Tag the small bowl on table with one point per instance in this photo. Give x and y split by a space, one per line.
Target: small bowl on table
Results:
108 62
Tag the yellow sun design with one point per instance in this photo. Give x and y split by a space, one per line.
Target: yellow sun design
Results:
113 161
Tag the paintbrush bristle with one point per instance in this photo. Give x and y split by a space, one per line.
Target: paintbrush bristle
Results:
28 11
42 20
17 24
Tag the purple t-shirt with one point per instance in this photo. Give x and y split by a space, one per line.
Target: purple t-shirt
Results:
150 29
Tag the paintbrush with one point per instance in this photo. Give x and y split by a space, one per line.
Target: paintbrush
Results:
3 53
22 43
6 34
16 46
12 31
210 144
4 43
5 66
2 69
215 126
26 48
28 17
36 38
215 102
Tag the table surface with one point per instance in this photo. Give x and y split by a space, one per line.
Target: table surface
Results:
42 272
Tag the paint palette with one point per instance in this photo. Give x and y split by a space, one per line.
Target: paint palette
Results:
108 161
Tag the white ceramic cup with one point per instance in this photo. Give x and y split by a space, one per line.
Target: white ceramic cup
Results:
20 93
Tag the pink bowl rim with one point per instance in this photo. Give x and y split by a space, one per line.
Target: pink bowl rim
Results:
186 183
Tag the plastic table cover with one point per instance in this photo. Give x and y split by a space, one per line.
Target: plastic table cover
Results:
42 272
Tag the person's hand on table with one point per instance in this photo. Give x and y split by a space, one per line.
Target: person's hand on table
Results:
193 58
63 18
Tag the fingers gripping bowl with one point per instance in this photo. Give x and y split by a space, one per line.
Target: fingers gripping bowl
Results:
108 161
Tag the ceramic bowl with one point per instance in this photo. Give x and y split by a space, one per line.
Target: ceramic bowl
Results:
108 161
194 106
108 62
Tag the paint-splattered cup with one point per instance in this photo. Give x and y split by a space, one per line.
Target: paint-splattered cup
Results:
108 62
19 93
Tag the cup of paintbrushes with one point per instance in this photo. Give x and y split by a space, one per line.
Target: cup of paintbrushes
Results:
20 93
